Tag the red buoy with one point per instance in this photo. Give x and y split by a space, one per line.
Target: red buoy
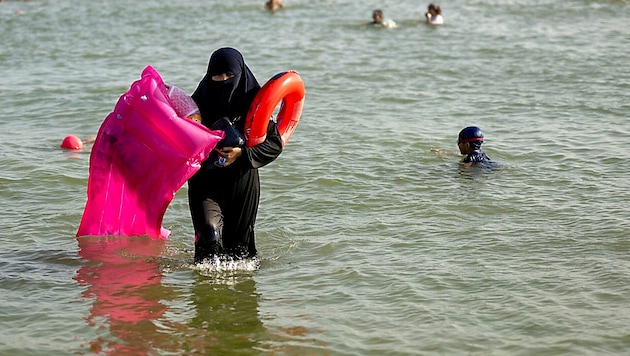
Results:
72 143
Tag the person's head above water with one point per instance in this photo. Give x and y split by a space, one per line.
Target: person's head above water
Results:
471 135
434 9
274 5
377 16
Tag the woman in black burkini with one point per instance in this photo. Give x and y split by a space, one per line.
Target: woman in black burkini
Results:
224 199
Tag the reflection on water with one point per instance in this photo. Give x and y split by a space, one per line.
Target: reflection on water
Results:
123 278
227 317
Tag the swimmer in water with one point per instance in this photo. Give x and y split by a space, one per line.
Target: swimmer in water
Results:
469 142
434 14
379 21
273 5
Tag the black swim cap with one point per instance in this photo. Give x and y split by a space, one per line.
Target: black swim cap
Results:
470 134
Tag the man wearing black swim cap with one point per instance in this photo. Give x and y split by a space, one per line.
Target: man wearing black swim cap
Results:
469 142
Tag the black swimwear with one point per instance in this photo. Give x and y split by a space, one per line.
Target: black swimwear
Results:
476 156
224 201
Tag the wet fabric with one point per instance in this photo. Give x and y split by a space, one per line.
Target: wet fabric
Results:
476 156
224 201
230 98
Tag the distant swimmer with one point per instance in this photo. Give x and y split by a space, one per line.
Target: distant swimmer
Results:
434 14
469 142
273 5
379 21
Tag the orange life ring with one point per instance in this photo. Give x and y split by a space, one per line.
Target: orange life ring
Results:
287 87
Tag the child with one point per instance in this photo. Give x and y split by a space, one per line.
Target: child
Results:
469 142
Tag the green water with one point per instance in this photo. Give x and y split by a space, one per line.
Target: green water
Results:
370 244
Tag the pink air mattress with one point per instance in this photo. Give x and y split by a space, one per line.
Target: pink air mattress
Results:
144 152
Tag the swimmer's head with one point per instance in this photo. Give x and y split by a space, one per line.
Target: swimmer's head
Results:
434 9
377 15
472 135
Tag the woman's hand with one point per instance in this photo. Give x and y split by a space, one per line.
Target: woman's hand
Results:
230 154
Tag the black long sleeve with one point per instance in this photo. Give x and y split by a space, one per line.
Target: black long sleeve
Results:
267 151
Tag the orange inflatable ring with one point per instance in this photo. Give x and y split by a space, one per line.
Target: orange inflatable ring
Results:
285 87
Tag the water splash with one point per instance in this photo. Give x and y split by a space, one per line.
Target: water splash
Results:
226 265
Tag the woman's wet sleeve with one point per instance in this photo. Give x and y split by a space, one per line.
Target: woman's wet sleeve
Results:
266 151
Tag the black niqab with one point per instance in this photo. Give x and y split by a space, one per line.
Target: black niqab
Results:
230 98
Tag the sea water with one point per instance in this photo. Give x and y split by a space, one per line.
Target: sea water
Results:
370 243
